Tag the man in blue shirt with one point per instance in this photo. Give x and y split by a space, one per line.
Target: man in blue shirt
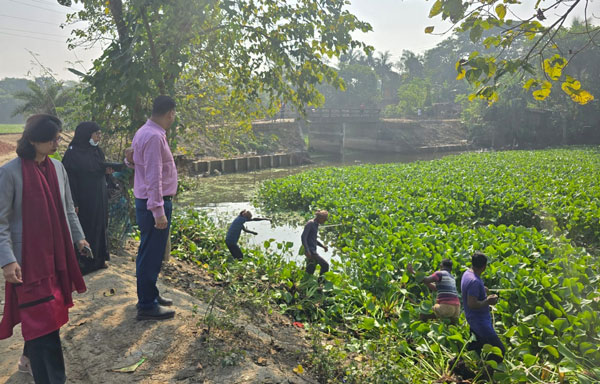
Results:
477 303
235 230
310 242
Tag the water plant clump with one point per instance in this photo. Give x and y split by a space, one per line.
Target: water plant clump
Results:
535 214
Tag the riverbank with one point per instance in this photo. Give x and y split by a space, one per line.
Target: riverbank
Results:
216 336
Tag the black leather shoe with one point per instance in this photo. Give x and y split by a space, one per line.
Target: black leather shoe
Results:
164 301
161 301
156 313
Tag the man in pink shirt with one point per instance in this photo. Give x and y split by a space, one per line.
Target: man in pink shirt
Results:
154 186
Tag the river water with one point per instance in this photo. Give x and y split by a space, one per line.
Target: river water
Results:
224 197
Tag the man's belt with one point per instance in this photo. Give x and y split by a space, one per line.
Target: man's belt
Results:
167 198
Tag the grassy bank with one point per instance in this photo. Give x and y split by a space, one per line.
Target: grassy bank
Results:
11 128
534 213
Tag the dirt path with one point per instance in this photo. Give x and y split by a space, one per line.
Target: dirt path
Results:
233 343
8 145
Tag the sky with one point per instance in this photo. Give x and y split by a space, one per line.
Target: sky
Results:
31 36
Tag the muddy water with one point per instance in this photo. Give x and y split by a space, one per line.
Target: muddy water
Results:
223 197
275 232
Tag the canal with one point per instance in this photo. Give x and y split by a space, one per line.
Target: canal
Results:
224 197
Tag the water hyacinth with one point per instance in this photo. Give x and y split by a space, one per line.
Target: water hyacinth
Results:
534 213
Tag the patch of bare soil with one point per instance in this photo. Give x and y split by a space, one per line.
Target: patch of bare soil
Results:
6 148
214 337
8 145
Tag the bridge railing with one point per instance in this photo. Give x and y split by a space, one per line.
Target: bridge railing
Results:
327 113
343 112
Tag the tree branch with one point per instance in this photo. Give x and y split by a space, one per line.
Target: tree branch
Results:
155 60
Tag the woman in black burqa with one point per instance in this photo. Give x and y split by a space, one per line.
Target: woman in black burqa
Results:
88 176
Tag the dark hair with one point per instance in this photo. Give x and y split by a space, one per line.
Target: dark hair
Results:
162 105
447 264
479 260
39 128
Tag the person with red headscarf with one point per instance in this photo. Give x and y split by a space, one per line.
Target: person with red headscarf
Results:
38 227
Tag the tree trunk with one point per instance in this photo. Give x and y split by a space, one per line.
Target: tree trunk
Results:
116 10
155 60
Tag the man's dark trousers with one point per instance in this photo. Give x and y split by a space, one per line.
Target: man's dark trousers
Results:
151 252
313 260
235 250
485 334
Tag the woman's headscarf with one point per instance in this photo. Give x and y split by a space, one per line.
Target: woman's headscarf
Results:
83 134
81 155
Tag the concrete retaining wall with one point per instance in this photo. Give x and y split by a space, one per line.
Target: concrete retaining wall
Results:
243 164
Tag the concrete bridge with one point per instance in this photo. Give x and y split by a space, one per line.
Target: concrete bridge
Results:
333 130
336 129
326 128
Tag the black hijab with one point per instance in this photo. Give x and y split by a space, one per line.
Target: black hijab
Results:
81 155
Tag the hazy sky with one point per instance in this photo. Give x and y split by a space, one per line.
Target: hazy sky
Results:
32 27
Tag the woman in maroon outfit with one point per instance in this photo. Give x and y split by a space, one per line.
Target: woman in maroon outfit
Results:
38 227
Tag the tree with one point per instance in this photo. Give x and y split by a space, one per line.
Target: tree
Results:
352 56
218 57
517 119
413 95
44 96
486 72
381 63
410 64
8 103
360 88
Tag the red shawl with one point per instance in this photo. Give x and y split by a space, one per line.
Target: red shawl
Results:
48 262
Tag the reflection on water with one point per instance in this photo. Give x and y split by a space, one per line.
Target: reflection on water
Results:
224 213
233 187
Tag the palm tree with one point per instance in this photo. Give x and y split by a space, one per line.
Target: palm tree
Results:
353 56
44 96
411 64
383 63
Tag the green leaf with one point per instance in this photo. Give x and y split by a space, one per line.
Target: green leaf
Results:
436 9
419 276
455 9
76 72
501 11
368 323
457 336
529 360
560 324
429 29
566 352
475 33
130 368
550 349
